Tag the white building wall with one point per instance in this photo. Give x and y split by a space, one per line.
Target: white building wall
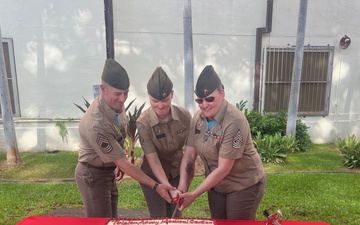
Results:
60 50
224 36
327 22
59 53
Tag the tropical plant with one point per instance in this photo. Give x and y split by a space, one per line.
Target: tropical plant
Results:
132 134
272 123
302 136
257 122
86 103
274 148
350 151
63 132
241 105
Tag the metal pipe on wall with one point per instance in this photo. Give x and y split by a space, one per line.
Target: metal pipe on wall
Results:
259 32
109 25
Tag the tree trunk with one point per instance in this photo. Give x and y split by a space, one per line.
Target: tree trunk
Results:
296 78
13 155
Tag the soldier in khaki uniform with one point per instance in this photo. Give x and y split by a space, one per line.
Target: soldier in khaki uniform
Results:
101 154
163 130
220 135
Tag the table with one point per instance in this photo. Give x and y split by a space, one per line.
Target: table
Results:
55 220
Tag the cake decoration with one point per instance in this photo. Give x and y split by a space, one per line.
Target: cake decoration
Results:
162 221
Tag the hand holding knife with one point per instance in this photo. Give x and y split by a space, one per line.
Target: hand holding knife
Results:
178 201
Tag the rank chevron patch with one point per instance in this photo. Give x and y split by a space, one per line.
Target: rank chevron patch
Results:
237 140
104 143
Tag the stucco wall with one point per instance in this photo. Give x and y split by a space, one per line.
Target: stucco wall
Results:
59 53
43 135
60 49
327 22
224 36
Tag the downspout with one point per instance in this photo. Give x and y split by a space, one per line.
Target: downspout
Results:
109 29
259 32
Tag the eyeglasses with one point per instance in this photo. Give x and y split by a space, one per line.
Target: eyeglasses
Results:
201 100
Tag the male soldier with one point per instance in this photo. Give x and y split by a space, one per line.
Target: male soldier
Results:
102 133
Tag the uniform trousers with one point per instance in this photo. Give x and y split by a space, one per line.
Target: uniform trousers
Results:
158 207
98 190
239 205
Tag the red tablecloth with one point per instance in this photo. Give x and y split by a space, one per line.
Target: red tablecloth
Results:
50 220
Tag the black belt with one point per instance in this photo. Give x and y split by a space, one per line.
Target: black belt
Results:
103 168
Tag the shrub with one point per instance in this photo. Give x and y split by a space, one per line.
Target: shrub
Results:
256 121
62 129
272 123
275 123
350 151
266 123
274 148
302 136
63 132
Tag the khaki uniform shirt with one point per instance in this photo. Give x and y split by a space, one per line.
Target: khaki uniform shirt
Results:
101 138
167 139
229 138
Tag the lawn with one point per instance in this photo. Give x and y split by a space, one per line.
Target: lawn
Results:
311 186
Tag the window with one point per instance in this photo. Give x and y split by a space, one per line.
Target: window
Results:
11 75
314 84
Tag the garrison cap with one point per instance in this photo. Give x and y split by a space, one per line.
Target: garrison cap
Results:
115 75
159 85
207 82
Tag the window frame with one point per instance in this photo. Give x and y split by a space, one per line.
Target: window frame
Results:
9 57
307 49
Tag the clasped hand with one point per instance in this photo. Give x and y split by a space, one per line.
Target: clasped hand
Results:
119 174
176 200
187 200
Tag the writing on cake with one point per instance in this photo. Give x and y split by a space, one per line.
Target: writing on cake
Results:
163 221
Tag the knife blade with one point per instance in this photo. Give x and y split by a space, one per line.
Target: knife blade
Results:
178 201
176 209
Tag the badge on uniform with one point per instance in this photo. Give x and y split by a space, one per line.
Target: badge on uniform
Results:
104 143
237 140
180 131
198 126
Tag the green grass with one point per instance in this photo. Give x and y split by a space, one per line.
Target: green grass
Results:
41 165
311 186
325 157
19 200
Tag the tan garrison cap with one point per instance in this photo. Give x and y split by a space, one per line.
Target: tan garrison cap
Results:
207 82
115 75
159 86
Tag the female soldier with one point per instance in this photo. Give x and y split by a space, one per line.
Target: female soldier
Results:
163 130
220 134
